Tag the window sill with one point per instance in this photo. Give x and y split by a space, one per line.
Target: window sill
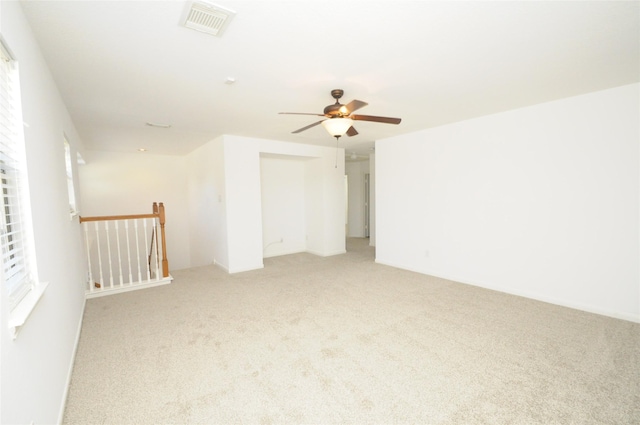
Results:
21 313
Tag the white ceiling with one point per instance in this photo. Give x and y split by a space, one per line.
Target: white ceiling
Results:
120 64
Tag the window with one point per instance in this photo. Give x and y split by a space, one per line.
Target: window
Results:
19 280
15 268
73 208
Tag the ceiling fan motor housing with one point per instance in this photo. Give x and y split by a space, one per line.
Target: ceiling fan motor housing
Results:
333 111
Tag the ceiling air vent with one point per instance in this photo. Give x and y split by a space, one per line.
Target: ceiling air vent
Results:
209 18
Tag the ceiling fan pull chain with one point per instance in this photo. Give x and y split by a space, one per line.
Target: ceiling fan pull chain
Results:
337 140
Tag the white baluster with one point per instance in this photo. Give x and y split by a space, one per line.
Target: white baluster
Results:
85 225
155 221
135 222
106 228
119 253
99 256
146 250
126 229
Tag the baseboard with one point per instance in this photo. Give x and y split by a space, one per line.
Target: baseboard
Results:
245 269
73 361
525 294
326 254
240 270
222 266
287 252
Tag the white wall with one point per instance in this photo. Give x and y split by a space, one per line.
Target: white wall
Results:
35 368
243 203
207 216
327 203
314 206
324 193
356 211
541 201
116 183
283 205
372 199
233 182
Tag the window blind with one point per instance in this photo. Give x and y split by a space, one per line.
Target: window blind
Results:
70 187
13 238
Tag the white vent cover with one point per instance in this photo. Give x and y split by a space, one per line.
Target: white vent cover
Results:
208 18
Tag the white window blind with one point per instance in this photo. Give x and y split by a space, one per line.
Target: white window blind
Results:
73 209
14 237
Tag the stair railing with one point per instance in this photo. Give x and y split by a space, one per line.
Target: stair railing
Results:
114 257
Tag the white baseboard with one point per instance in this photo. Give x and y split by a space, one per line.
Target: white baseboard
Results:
239 270
326 254
525 294
222 266
63 405
294 250
246 269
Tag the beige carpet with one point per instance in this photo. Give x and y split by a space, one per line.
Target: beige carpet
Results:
342 340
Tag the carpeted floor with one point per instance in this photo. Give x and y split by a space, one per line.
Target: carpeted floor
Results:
310 340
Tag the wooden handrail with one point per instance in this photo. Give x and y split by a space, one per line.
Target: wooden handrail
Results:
118 217
158 212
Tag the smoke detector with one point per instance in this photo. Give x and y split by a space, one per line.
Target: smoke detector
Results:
208 17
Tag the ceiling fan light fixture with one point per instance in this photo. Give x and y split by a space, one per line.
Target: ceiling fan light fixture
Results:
337 126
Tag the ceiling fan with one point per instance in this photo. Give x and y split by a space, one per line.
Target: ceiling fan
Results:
340 117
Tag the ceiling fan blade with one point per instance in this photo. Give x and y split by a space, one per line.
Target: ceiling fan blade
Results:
354 105
386 120
302 113
300 130
352 131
